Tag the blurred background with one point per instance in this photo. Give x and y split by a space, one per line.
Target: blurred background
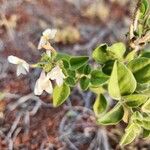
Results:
28 122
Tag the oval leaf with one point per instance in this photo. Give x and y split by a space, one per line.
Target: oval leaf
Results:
122 81
78 61
146 133
135 100
84 83
98 78
100 104
113 117
146 123
100 54
141 69
60 94
146 107
131 132
118 50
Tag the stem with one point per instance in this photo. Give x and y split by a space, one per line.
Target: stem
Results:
134 24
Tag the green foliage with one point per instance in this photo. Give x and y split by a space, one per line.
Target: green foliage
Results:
60 94
146 107
146 123
122 79
78 61
84 83
113 117
98 78
144 8
100 54
104 53
146 133
141 69
85 69
100 104
118 50
135 100
131 132
70 81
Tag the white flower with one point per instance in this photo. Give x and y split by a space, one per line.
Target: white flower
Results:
43 84
42 43
22 65
47 35
56 74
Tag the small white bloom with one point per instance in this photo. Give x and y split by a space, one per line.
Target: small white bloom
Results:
47 35
42 42
22 65
56 74
43 84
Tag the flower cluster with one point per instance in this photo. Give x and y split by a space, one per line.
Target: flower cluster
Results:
44 82
47 35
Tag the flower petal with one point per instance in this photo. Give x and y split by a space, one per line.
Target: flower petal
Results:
21 70
42 42
26 66
54 73
48 87
38 89
14 60
53 33
42 75
49 33
40 84
59 81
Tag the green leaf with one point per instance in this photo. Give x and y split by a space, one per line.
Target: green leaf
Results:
135 100
64 56
141 69
78 61
143 88
130 56
81 69
137 118
100 54
117 50
146 133
70 81
100 104
146 123
131 132
84 83
98 78
107 68
146 54
122 81
113 82
65 59
146 107
71 73
85 69
112 117
103 53
97 90
144 8
60 94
